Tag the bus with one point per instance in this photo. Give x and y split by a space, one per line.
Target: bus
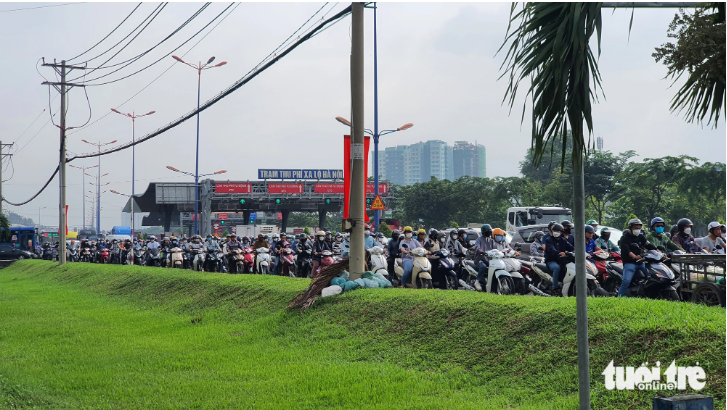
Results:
89 234
50 237
19 238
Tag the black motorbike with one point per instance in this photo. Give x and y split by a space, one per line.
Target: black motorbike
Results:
213 262
305 263
139 256
154 258
659 283
445 270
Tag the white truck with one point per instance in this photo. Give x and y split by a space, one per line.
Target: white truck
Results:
535 215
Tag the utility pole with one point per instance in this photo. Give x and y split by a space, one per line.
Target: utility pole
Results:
356 205
62 88
1 171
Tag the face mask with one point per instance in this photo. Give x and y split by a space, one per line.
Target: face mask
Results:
556 234
499 238
566 230
687 231
659 229
320 239
367 232
408 236
636 232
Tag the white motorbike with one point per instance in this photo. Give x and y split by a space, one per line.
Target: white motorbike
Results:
262 261
378 261
569 281
177 259
513 267
421 273
499 279
198 263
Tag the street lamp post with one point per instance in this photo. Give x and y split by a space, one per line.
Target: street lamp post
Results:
199 68
133 158
83 169
196 176
98 202
376 136
39 209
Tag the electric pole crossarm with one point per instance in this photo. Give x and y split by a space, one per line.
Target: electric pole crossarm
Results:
66 84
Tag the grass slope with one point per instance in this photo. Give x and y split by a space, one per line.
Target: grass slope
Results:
89 336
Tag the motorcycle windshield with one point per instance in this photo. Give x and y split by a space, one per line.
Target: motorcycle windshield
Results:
154 252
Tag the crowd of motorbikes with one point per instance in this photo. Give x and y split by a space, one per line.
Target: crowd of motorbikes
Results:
437 263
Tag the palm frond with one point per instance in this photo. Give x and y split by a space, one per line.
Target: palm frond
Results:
549 43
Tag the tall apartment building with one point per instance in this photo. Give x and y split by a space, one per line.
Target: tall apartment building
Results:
469 159
409 164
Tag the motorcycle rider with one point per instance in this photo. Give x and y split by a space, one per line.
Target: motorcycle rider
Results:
369 241
260 242
684 237
406 245
713 242
568 232
483 244
278 253
115 250
591 245
319 247
594 225
555 248
432 245
329 239
392 251
337 244
604 241
302 247
462 239
380 240
536 247
421 236
633 244
657 237
501 240
233 245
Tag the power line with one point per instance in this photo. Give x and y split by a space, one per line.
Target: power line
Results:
151 15
137 57
40 7
163 57
234 87
160 75
107 36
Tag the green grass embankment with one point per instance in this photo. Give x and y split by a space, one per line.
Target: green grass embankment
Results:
90 336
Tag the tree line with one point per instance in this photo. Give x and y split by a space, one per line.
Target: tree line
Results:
617 186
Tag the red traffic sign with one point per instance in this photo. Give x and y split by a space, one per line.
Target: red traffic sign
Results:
215 226
222 217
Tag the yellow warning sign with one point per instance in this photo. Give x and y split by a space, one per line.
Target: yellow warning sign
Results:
378 204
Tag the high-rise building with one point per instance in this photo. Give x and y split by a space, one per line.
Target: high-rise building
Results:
469 159
409 164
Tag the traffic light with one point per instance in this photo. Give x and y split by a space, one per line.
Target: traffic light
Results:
278 201
328 200
242 201
222 222
368 201
252 222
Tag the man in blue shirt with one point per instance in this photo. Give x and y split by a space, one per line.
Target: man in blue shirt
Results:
369 241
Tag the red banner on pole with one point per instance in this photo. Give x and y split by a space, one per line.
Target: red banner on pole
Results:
233 188
347 172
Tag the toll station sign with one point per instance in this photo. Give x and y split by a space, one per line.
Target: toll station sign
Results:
232 188
285 188
338 188
300 174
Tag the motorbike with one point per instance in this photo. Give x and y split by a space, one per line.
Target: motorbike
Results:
446 268
176 260
248 260
469 270
187 259
213 262
499 280
305 263
287 259
569 284
238 261
421 276
115 256
326 260
198 262
659 283
139 256
104 256
378 261
262 261
514 267
154 257
86 255
72 255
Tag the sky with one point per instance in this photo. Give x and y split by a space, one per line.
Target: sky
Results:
438 68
